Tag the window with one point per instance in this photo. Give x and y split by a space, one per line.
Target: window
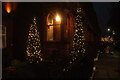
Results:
3 37
53 27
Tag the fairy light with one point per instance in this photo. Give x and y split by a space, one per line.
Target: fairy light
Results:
78 47
33 49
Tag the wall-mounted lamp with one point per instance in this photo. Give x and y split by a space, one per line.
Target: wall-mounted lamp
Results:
8 7
58 18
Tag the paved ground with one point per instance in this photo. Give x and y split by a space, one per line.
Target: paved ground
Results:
81 70
108 67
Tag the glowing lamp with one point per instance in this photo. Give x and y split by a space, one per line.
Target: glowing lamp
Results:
108 29
57 18
8 7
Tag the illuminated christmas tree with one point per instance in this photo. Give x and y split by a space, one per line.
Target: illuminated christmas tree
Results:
33 44
78 40
78 47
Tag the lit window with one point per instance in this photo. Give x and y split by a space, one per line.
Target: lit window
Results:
53 27
3 37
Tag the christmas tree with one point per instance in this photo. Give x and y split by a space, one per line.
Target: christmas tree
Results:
33 44
78 40
78 47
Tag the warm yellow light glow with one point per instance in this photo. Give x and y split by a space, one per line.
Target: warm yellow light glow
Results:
8 7
57 18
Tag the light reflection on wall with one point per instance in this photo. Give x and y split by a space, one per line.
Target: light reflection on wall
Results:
10 6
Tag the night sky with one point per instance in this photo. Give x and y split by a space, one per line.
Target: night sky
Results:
103 14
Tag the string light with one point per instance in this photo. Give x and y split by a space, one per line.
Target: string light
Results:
33 49
78 47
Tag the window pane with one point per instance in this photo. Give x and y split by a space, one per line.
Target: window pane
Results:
49 33
57 33
3 37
